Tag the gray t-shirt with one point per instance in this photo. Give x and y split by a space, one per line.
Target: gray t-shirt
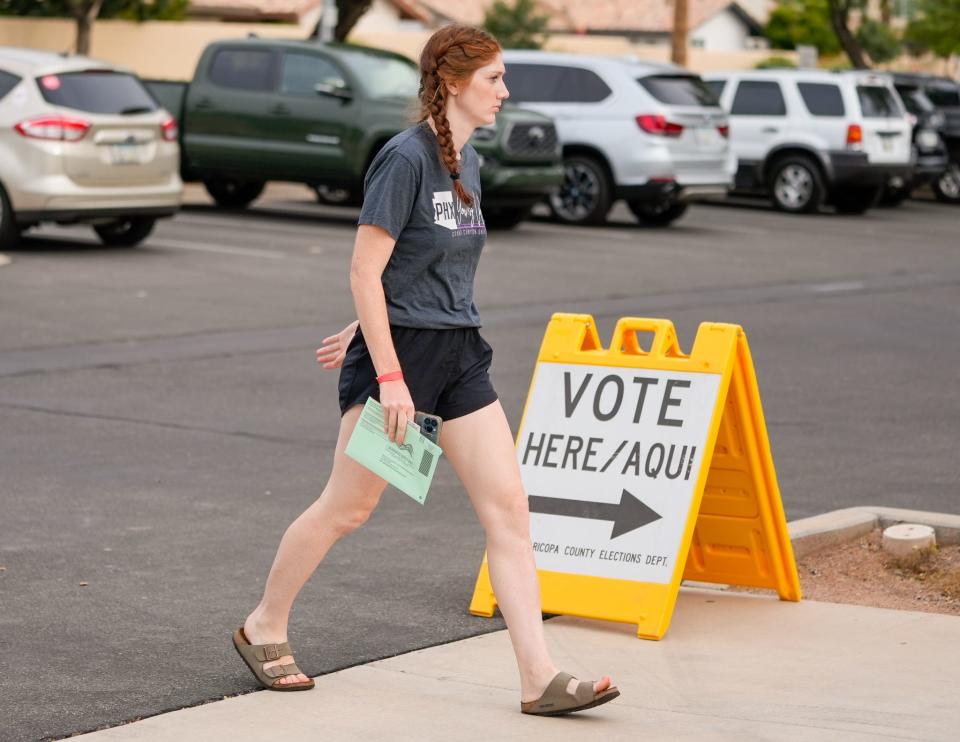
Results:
428 281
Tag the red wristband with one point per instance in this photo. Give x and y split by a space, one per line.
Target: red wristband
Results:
392 376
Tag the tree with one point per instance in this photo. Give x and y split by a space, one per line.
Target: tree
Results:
807 22
518 26
936 28
880 42
85 12
840 20
678 39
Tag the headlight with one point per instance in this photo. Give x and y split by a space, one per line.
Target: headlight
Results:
927 139
936 120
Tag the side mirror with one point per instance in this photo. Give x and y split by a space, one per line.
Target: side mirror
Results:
334 89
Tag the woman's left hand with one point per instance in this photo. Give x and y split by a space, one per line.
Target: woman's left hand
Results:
334 348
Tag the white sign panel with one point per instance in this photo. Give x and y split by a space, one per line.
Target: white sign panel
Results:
609 458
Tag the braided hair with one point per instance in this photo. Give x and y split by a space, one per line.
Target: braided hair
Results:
451 55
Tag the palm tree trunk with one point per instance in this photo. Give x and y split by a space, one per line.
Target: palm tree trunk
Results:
839 19
678 44
85 12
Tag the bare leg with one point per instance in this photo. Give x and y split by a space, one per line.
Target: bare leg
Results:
496 491
351 494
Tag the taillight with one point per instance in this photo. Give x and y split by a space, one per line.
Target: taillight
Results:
169 130
724 131
657 124
58 128
854 136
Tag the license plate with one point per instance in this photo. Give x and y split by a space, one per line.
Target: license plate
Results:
703 137
124 154
887 144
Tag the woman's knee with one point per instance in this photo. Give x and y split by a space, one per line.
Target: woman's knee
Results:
508 513
350 521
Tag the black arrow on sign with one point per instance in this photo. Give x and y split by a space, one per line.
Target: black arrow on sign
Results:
627 515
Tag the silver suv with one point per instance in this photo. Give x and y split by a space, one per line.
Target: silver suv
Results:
652 134
82 141
810 136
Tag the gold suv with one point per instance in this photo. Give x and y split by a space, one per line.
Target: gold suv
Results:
82 141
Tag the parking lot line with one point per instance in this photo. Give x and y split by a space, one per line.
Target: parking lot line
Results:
247 252
826 288
566 231
263 225
4 260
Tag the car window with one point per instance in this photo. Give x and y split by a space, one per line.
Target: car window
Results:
716 87
7 83
302 72
244 69
877 101
97 91
822 99
943 96
383 76
679 90
548 83
914 100
758 98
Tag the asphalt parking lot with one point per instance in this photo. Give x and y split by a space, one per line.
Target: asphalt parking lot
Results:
164 420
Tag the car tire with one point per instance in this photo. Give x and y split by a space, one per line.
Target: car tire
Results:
660 213
946 186
125 232
233 193
9 229
330 196
505 218
796 185
585 195
855 199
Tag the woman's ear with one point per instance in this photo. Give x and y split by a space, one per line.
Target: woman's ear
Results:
453 88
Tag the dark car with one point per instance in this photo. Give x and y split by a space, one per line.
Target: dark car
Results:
930 150
944 94
266 109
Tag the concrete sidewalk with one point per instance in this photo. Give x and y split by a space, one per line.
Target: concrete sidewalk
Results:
731 667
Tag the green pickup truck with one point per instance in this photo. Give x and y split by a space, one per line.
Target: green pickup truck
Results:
265 109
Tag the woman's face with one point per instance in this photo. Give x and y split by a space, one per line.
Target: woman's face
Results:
480 97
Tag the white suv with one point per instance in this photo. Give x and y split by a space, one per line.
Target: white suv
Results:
652 134
810 136
82 141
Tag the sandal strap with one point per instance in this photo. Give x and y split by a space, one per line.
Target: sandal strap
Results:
279 671
557 698
270 652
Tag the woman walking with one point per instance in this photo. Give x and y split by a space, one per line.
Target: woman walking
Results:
417 347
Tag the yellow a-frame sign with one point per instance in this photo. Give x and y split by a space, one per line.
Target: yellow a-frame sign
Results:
670 448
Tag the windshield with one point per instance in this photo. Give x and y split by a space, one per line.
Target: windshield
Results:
97 91
877 102
384 77
679 90
943 96
914 99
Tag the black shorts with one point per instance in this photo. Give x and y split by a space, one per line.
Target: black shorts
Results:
446 371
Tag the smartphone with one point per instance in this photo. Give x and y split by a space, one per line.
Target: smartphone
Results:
429 425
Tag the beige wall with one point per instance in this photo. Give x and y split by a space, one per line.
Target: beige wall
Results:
170 50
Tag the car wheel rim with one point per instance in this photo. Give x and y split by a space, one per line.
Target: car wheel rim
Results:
578 194
950 182
333 195
794 186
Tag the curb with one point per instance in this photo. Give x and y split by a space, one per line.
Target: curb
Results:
810 535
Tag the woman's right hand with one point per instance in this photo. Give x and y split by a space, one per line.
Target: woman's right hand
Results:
398 409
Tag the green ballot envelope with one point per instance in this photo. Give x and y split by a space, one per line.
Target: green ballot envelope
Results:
408 467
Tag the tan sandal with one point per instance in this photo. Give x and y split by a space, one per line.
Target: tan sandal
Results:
256 655
556 700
